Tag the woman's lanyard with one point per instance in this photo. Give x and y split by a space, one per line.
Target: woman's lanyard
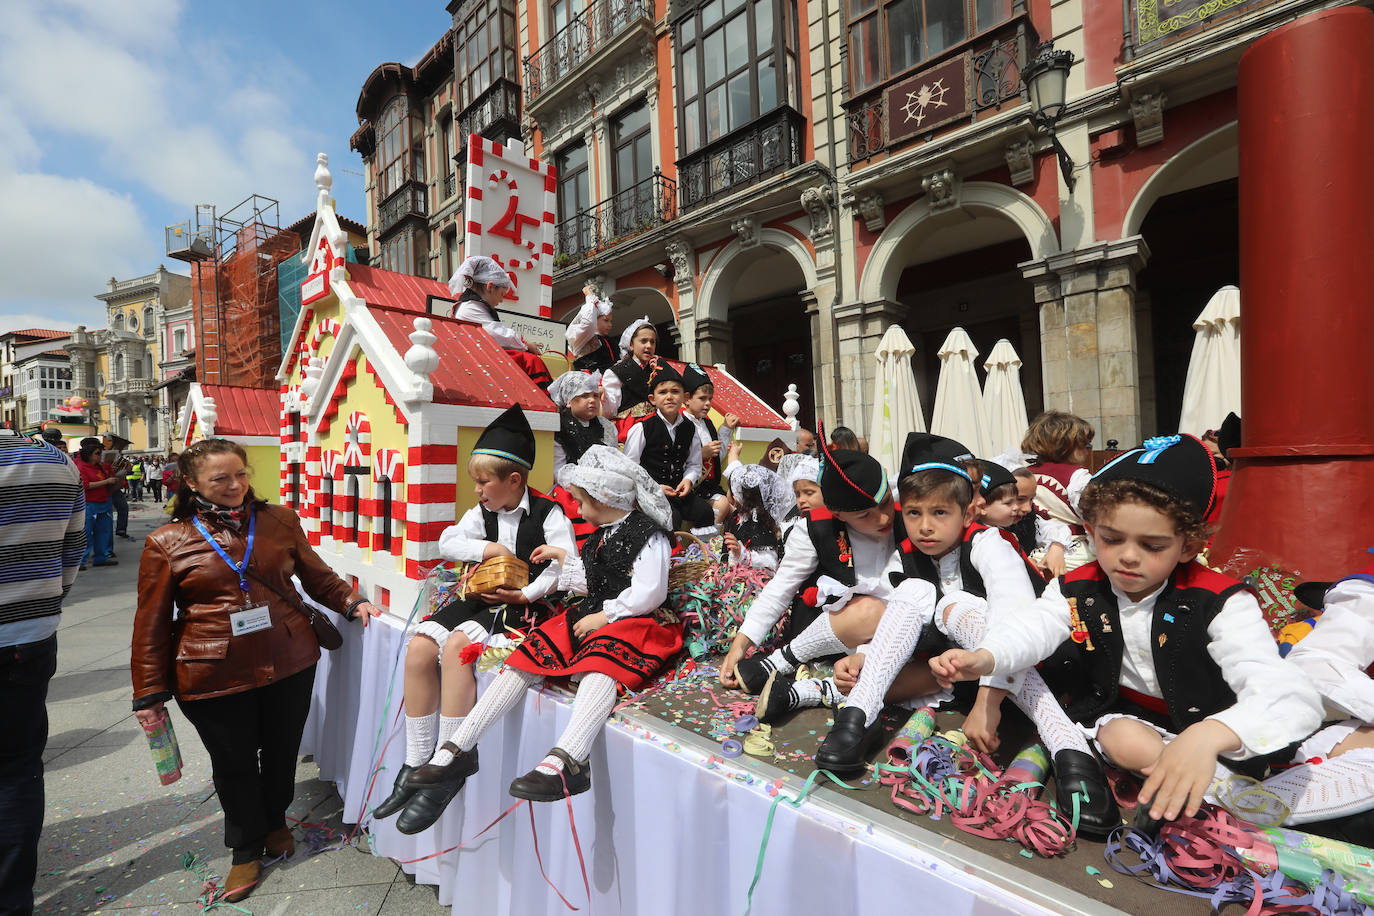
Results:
238 568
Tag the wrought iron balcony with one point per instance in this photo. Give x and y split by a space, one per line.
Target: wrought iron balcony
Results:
628 213
595 28
409 201
990 67
741 158
450 185
494 115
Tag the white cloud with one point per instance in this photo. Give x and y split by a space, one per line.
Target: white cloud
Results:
26 320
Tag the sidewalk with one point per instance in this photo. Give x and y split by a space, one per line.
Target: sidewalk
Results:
114 838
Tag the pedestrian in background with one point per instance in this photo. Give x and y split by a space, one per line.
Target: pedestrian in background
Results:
98 482
42 489
136 480
152 477
118 467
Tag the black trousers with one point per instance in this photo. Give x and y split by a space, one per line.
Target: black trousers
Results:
25 671
253 739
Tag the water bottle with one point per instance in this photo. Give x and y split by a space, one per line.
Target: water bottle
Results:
162 740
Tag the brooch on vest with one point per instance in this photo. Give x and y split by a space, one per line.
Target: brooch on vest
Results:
1078 632
842 542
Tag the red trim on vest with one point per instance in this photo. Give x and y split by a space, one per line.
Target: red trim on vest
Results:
1153 704
819 515
1088 572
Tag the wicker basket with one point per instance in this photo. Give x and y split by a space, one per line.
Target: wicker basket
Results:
499 572
681 573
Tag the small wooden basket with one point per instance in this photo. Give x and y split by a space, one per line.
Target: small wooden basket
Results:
499 572
679 574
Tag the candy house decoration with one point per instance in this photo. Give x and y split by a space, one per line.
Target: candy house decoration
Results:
252 417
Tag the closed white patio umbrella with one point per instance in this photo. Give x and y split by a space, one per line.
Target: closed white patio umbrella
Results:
1004 404
958 410
1212 387
896 403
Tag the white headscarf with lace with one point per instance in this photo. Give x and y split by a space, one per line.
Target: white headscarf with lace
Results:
611 478
573 383
777 496
628 334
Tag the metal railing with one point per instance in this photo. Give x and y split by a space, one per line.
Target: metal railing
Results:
579 41
753 152
495 112
409 202
450 185
128 386
628 213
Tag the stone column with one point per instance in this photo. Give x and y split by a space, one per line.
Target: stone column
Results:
859 326
715 342
1089 353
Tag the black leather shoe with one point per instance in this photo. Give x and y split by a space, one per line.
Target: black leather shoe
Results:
1078 773
400 794
435 786
845 750
752 673
548 787
430 776
777 699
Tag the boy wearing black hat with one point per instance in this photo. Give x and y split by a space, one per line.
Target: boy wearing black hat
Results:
699 391
510 519
841 558
666 445
1169 665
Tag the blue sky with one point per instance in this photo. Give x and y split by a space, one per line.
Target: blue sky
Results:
120 116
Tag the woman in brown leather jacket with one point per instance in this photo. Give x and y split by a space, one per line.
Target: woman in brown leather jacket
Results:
219 629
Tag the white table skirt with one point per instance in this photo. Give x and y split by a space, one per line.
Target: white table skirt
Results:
663 831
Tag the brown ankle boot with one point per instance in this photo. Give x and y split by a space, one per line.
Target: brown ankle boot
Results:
280 842
241 881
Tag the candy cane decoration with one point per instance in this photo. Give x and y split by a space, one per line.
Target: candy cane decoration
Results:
333 465
359 447
388 465
327 326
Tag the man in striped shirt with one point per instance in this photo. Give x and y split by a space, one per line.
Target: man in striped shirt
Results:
42 540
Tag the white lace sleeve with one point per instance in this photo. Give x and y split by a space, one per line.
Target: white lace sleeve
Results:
572 577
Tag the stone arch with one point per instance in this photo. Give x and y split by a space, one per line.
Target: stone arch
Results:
728 265
887 261
1212 157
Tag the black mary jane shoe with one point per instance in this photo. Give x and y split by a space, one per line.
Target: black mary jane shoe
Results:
1077 773
845 750
777 698
752 673
435 786
401 793
575 779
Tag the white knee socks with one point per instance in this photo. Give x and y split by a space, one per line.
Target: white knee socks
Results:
591 707
497 700
890 649
816 641
420 734
1337 786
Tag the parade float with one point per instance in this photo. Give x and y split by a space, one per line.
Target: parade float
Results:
250 417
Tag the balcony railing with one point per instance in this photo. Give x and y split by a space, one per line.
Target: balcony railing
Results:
579 40
127 387
624 215
1151 24
759 149
408 202
495 114
450 185
990 66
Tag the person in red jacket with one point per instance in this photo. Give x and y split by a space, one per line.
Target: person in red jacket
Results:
98 482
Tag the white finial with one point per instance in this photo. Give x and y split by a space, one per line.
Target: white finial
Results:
209 415
314 368
791 406
421 357
323 180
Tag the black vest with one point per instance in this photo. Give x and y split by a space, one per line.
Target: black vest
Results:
916 565
576 438
634 383
609 561
1192 684
665 454
599 358
1025 532
753 534
530 532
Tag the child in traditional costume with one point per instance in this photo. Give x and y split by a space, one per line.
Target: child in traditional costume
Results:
589 342
480 285
580 426
511 519
1167 664
666 445
699 391
750 531
616 635
1062 445
800 473
625 386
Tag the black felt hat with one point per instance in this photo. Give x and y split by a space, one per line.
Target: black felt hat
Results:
927 451
1179 465
662 372
508 436
693 377
1228 434
994 476
850 481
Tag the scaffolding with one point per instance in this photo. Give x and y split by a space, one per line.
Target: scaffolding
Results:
235 256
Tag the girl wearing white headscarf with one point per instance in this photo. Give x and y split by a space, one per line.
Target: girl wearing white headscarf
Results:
625 386
589 343
480 284
579 428
616 635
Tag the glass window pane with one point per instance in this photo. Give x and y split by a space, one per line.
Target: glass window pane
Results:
763 26
741 112
792 82
865 54
630 123
737 42
689 73
859 7
768 85
713 57
691 127
991 12
624 167
715 113
644 158
903 35
710 14
944 25
689 32
732 5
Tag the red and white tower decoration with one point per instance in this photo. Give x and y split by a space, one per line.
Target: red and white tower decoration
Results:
510 214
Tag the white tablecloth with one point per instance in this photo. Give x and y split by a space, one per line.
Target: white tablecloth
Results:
664 828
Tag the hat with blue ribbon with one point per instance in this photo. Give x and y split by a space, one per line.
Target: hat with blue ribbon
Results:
1179 465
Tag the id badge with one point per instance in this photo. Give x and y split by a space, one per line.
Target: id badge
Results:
250 620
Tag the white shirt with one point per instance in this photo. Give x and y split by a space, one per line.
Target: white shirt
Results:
648 579
1049 532
581 331
466 541
505 338
1275 704
875 559
608 439
612 390
634 444
1078 482
1337 651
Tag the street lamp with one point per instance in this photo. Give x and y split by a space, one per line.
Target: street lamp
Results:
1046 78
161 412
